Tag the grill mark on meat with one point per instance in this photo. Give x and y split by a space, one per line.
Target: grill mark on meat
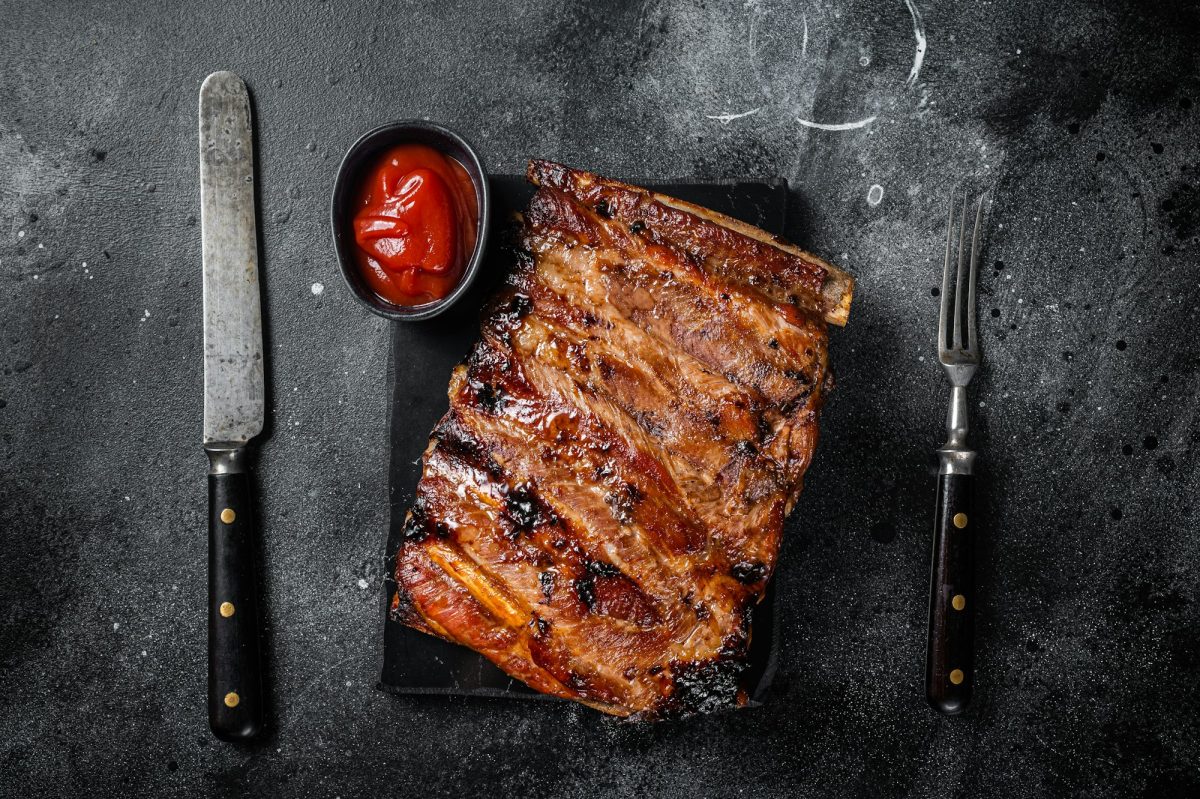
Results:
632 607
657 524
602 506
728 249
674 265
719 501
448 605
541 425
674 371
679 372
663 410
693 635
486 563
736 485
678 310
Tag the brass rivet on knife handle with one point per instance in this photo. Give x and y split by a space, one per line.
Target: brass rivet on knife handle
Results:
227 609
959 602
232 699
956 676
228 515
960 521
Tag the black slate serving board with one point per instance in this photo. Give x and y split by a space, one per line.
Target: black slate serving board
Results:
421 359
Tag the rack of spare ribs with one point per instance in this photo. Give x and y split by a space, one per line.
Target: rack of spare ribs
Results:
601 508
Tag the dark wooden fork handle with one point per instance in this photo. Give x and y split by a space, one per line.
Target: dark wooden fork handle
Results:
949 667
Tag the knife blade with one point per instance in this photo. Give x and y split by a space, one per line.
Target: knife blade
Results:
234 392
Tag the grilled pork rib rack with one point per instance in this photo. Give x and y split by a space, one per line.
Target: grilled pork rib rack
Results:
601 508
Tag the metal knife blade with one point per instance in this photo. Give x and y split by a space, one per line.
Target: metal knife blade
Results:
233 352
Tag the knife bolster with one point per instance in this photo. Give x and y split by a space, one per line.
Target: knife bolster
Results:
953 460
226 458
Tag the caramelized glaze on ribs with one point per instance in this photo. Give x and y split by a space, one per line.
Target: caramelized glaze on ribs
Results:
601 507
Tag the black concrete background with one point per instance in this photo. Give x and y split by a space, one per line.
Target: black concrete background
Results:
1080 114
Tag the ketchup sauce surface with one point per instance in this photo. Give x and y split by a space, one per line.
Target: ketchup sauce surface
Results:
414 224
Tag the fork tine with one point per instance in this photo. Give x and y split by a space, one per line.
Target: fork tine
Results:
944 312
972 340
960 288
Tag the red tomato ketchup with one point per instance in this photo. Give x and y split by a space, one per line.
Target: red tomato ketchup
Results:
414 224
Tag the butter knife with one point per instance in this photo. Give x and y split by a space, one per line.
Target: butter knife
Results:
233 402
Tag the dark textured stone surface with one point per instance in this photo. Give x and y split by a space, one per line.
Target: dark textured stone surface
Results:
1082 115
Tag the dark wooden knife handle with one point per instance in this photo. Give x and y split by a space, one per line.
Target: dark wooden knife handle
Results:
235 706
949 666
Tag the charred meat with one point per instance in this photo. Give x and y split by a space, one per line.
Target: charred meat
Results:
601 508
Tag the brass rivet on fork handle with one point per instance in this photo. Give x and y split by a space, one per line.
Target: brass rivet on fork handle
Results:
949 665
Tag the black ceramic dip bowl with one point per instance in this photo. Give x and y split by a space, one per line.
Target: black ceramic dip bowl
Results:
356 167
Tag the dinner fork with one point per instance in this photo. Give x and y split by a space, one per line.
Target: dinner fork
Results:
949 665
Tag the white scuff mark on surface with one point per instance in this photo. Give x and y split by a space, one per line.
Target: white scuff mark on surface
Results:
641 19
755 14
922 44
804 41
725 119
858 123
875 195
318 289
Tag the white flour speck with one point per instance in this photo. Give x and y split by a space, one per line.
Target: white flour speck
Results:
875 195
362 584
116 626
20 234
318 289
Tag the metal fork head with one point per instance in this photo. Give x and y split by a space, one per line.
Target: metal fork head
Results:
958 340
